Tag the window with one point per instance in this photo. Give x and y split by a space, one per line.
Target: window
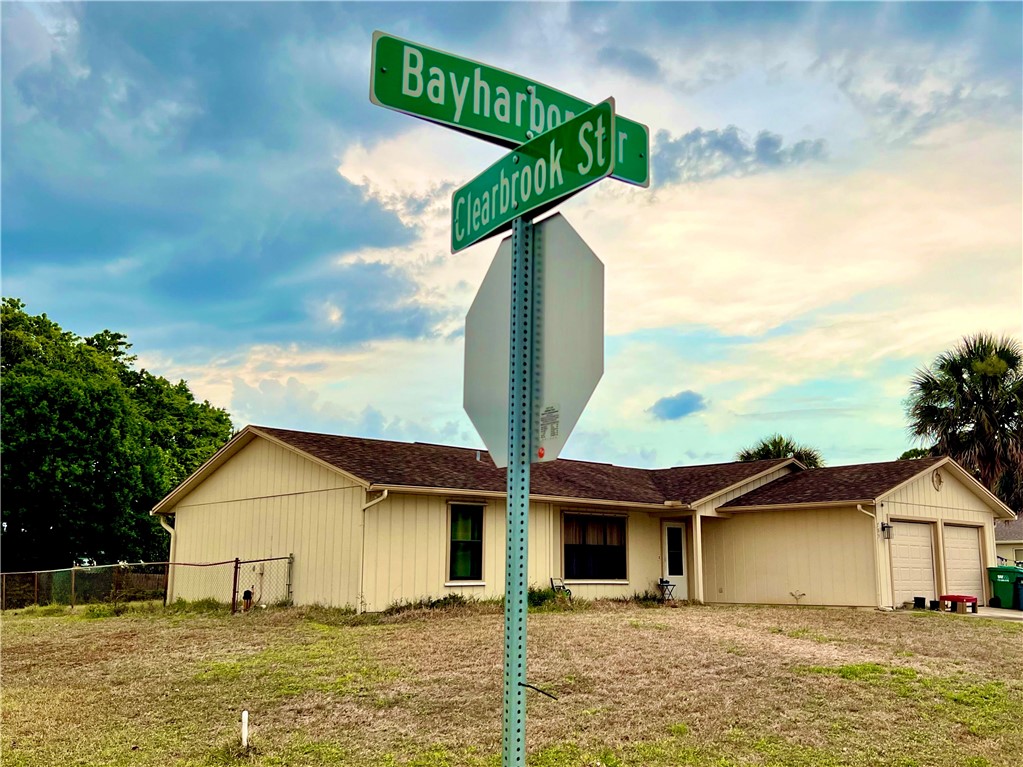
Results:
594 547
1018 554
676 551
466 542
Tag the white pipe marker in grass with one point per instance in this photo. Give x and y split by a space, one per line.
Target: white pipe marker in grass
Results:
245 729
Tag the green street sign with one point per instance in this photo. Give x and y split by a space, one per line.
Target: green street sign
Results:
481 100
536 176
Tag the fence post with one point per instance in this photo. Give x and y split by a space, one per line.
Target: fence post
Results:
291 566
3 591
234 587
73 568
113 584
36 588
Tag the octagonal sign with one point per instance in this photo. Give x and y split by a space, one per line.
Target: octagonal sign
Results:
569 342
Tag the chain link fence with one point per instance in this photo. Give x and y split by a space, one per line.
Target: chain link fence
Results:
241 583
247 582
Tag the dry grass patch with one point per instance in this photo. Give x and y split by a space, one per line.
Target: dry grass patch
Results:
421 687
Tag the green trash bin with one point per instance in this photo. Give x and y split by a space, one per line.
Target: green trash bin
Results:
1003 582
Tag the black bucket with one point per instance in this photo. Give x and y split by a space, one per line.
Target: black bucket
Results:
935 604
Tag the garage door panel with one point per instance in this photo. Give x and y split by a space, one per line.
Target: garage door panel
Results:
912 549
963 569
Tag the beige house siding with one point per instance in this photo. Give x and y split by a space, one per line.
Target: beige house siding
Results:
408 544
697 582
1010 551
953 504
764 556
268 501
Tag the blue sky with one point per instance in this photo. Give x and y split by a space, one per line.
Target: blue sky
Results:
836 199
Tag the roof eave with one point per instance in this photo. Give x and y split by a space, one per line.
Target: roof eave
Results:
309 456
236 443
808 505
468 492
218 459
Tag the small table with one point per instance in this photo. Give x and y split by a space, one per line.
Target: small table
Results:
958 602
667 589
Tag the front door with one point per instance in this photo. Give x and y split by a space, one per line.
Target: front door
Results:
675 558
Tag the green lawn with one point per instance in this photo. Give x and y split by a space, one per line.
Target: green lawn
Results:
635 686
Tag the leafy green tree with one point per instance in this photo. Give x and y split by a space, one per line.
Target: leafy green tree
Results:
916 452
89 445
777 446
969 403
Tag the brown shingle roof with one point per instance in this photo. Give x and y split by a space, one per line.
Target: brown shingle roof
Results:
860 482
381 462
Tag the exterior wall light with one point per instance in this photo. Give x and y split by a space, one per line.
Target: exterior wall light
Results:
886 531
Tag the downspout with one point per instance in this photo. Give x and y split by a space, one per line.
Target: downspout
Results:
170 568
362 558
877 577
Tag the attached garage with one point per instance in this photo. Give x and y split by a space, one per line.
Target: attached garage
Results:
926 528
964 566
913 561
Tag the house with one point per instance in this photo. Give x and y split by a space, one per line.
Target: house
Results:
374 522
1009 541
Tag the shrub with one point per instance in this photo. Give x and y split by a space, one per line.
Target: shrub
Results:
445 602
540 597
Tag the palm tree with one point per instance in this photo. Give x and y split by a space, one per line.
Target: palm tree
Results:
969 404
777 446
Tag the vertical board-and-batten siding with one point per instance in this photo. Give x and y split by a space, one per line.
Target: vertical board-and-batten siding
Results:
268 501
764 556
700 590
953 504
408 540
408 544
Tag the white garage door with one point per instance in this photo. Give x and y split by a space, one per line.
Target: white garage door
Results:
912 561
963 573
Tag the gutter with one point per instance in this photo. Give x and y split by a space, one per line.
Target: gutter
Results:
812 505
362 557
877 577
533 497
170 564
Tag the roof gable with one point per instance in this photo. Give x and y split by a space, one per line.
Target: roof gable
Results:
692 484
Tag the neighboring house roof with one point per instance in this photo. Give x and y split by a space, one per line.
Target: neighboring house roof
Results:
403 464
1009 531
835 484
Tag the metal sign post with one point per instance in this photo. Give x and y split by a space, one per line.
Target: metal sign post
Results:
561 145
520 421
